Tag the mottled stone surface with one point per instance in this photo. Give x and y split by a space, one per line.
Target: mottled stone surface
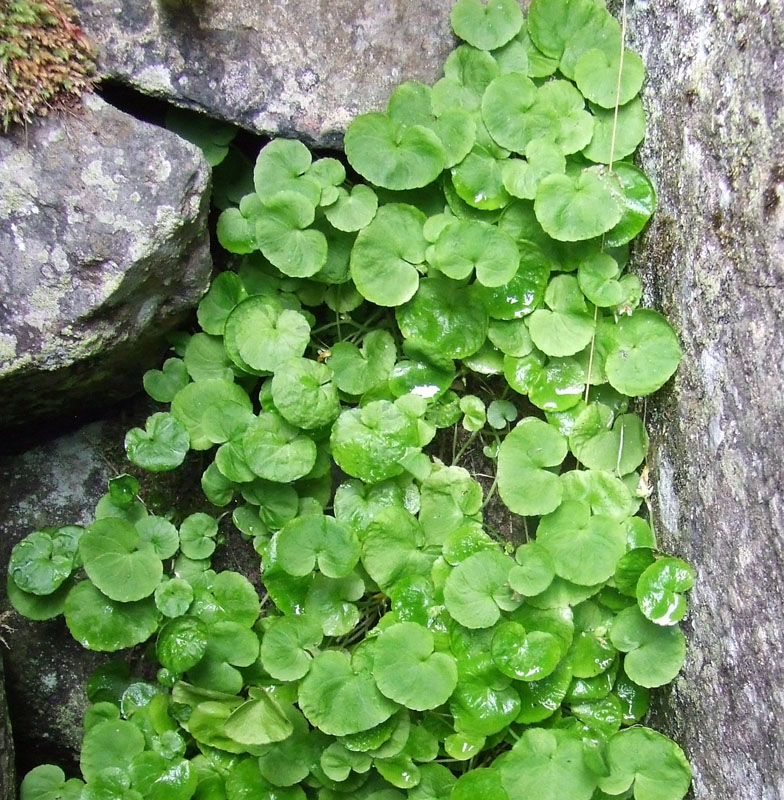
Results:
103 246
713 260
296 68
7 766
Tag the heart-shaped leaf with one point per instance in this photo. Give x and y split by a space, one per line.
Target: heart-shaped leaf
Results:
486 26
317 539
161 446
477 589
659 590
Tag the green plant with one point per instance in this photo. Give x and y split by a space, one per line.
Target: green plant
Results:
406 651
45 59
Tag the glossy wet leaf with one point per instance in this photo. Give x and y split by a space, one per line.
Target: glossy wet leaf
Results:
278 451
110 744
576 208
482 705
654 653
358 370
643 353
547 765
525 484
304 394
181 644
638 203
47 782
173 597
99 623
525 656
486 26
469 245
478 180
653 764
386 254
393 156
606 147
479 783
260 720
286 646
369 442
659 590
630 567
522 293
408 671
160 446
584 548
317 540
477 589
341 698
114 562
541 699
229 598
43 560
36 606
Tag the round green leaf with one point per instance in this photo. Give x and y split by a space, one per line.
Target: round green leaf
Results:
158 535
281 166
98 623
236 232
230 598
206 358
547 765
226 290
353 210
598 278
393 156
643 353
408 671
552 24
469 245
173 597
163 384
113 562
619 449
277 451
525 657
654 653
467 73
341 697
478 180
480 709
575 208
330 601
659 590
369 442
504 105
566 326
197 536
261 720
304 394
47 782
444 316
638 202
212 411
477 589
534 571
161 446
38 607
653 764
284 237
43 560
524 483
385 255
604 81
287 644
486 26
524 291
181 644
110 744
320 540
357 371
540 699
479 784
613 141
584 548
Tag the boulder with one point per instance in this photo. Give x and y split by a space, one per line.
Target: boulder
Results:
103 247
713 260
297 68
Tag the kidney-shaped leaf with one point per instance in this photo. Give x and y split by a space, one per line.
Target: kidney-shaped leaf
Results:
524 656
161 446
43 560
304 394
523 482
277 451
317 539
489 25
477 589
408 671
659 590
286 646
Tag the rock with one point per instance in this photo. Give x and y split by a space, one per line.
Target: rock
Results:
103 247
296 69
713 260
7 767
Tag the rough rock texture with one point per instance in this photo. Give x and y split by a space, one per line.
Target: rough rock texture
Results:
103 246
714 262
295 68
58 482
7 767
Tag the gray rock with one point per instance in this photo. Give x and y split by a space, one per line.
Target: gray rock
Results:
7 766
713 260
103 246
296 68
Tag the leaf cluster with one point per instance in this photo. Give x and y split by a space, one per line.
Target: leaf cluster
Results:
399 649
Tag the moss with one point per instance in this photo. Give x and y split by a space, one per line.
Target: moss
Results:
45 60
